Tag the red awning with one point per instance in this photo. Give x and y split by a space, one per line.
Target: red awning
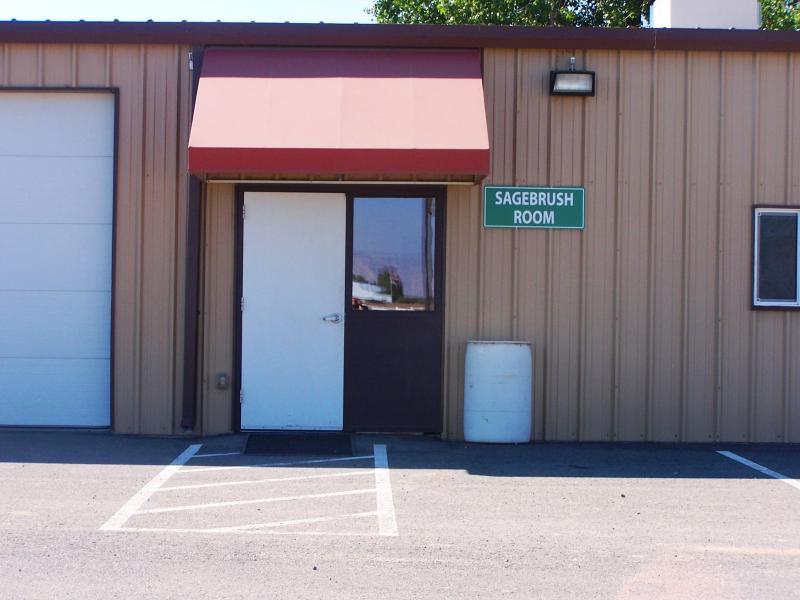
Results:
344 112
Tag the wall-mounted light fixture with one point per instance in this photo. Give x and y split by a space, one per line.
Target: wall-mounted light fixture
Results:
572 82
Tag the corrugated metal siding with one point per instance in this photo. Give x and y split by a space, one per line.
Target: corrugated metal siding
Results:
150 243
217 305
642 323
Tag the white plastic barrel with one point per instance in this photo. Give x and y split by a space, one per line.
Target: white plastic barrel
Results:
497 392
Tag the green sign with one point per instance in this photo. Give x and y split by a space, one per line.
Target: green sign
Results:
534 207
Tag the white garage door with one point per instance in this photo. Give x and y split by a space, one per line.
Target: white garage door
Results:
56 213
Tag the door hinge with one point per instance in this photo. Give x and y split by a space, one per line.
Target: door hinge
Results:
244 211
241 397
241 304
191 62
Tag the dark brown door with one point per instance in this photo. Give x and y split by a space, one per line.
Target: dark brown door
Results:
394 320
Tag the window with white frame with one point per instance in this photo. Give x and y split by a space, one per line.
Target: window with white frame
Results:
776 261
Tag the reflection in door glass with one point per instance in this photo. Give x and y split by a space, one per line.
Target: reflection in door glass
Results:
393 242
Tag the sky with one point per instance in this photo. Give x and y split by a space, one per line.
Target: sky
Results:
296 11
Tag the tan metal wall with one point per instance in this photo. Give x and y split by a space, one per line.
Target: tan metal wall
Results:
217 306
154 103
642 323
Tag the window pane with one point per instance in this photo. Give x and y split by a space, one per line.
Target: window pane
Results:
777 257
393 244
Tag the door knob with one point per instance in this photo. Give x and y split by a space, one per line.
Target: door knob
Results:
333 318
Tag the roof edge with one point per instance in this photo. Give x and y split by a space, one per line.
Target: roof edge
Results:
409 36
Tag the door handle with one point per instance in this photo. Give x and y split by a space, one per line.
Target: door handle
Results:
333 318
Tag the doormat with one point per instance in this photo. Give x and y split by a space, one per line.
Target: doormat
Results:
280 443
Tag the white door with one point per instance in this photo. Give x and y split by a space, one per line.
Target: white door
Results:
56 212
293 292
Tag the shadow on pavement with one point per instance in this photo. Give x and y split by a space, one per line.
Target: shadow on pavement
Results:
566 460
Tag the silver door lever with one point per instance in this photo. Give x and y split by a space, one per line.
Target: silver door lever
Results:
333 318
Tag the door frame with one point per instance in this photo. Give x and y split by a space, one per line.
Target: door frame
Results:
439 192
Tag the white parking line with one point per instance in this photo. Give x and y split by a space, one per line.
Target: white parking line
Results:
387 524
278 464
295 522
761 469
215 454
385 513
247 531
254 501
197 486
135 503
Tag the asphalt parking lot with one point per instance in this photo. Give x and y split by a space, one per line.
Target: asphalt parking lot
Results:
93 515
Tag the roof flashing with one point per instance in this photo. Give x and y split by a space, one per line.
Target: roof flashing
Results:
395 36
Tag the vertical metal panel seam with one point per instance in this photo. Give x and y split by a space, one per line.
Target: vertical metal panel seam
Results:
206 269
581 391
108 64
6 63
172 188
451 303
461 348
788 317
213 303
217 315
39 65
615 379
446 342
178 365
720 281
73 76
651 253
751 421
201 330
138 200
685 282
115 355
485 242
515 259
548 282
452 343
206 336
212 308
460 356
170 131
793 135
513 108
488 86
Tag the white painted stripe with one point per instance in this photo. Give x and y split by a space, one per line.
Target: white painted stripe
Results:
255 501
279 464
197 486
137 501
217 454
279 532
761 469
747 550
249 532
387 524
296 522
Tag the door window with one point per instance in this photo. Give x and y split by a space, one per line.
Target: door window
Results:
393 254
